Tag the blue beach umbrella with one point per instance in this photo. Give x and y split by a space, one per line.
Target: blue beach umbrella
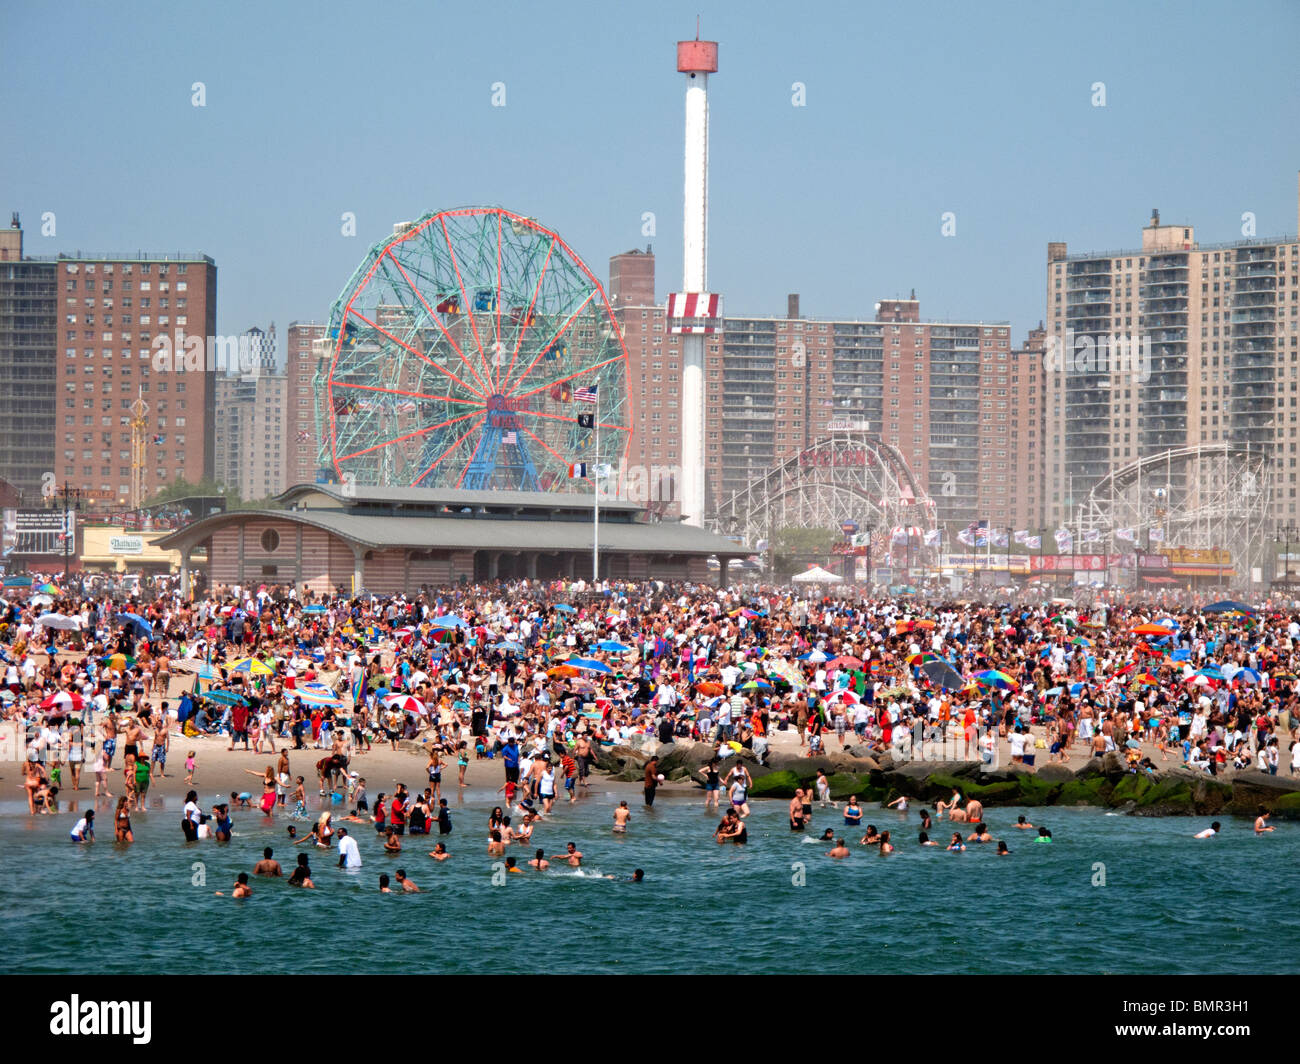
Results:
613 646
589 665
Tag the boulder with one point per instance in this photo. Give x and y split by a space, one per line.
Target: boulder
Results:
1054 773
1252 789
780 784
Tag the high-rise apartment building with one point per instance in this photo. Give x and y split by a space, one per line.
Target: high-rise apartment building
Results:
134 328
300 443
250 441
28 307
945 394
1209 343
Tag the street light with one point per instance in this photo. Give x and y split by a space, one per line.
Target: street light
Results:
1285 535
68 534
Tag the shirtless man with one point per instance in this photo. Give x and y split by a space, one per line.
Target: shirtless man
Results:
974 811
540 862
574 856
158 754
132 737
621 816
266 866
439 852
582 754
110 736
407 886
838 850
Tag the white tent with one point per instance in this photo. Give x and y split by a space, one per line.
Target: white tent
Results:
817 575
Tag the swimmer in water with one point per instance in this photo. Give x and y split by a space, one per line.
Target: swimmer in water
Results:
512 867
572 855
853 812
1002 849
827 836
242 889
621 816
637 876
383 883
956 845
899 803
439 852
886 846
496 848
539 860
925 819
980 834
267 866
1044 835
871 837
924 840
1262 826
839 849
1209 832
1022 823
408 887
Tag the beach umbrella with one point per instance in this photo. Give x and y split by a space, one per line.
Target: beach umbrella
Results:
63 701
713 703
253 667
1247 674
844 695
449 620
563 607
995 678
921 659
1081 641
756 685
846 660
943 675
1053 692
1211 672
510 645
588 665
613 646
710 687
314 607
59 620
321 699
407 704
561 670
1182 654
1146 678
1227 606
40 600
893 692
225 698
117 661
1075 688
1152 629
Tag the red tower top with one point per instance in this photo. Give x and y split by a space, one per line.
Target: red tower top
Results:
697 57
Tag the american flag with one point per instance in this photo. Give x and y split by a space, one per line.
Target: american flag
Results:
510 438
304 436
585 395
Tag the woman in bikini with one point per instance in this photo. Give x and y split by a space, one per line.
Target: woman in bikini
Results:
122 822
268 787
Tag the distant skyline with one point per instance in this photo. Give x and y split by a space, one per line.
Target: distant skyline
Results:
910 111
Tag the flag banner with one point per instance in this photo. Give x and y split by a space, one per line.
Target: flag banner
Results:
1156 535
585 395
934 537
1033 542
1093 535
577 470
304 436
1021 535
967 537
586 421
999 538
1064 540
510 437
1128 535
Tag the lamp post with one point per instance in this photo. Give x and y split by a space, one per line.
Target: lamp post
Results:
69 534
1285 535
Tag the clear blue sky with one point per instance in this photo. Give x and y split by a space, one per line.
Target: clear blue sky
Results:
913 109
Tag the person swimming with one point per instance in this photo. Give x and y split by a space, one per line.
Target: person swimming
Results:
1044 835
853 812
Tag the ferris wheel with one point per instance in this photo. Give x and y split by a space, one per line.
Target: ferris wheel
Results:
473 349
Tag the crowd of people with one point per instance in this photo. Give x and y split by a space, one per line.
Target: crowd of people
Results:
539 676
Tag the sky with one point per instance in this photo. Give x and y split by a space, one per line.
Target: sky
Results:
909 110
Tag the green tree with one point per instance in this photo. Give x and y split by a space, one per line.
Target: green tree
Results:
794 548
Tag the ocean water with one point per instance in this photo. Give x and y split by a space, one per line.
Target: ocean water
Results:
1112 894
